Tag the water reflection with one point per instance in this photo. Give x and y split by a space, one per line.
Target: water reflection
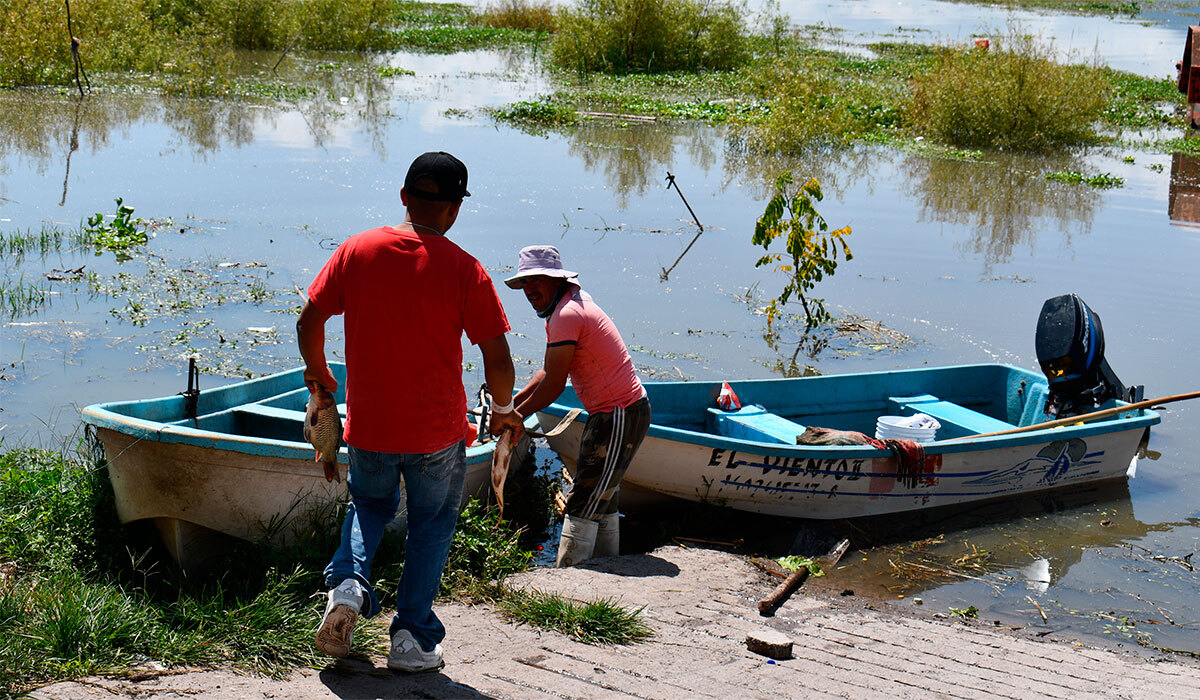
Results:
1183 201
1006 200
43 127
837 168
1038 538
635 157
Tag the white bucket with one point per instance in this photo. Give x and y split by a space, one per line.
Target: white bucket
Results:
894 428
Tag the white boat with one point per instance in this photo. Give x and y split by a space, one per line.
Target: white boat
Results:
749 459
229 461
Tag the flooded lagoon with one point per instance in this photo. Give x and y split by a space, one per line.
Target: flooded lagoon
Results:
955 256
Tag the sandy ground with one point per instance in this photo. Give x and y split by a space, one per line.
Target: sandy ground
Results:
701 605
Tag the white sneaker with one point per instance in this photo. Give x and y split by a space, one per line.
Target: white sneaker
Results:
341 612
408 656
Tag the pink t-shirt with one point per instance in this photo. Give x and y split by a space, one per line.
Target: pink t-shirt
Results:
601 370
408 299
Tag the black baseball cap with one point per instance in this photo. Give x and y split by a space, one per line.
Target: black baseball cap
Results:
447 171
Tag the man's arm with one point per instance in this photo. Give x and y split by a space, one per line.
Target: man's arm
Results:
310 332
553 379
526 392
500 376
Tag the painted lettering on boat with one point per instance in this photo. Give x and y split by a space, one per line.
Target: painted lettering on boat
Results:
838 468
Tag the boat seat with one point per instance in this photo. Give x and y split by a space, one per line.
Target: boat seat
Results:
753 423
951 414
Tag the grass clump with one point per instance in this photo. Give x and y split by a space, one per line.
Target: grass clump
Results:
482 553
529 15
601 622
1013 97
649 36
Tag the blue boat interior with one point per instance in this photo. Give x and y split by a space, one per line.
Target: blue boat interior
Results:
270 408
966 400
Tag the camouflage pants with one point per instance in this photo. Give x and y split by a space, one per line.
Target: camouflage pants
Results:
610 440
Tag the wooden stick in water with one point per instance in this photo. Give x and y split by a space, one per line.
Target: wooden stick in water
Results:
1095 415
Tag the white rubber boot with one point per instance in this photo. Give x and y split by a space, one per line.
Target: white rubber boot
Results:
608 536
577 542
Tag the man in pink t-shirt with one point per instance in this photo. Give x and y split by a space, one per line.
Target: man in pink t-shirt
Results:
408 294
583 343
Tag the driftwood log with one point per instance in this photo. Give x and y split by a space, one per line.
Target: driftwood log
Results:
776 597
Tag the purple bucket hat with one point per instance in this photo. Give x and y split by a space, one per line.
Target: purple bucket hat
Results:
539 260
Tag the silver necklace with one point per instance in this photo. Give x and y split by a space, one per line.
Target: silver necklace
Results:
415 224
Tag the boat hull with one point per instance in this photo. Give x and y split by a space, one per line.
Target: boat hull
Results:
233 472
754 465
857 485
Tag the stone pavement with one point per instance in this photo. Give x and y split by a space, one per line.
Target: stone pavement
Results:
701 604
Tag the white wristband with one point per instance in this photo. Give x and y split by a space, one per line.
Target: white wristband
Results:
506 408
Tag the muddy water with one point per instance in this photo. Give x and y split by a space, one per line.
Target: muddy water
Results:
956 256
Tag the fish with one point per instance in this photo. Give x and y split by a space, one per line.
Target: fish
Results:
323 430
500 459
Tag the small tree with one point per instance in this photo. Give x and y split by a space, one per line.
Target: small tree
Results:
812 246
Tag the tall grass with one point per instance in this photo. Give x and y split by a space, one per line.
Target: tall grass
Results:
80 594
1015 96
531 15
649 36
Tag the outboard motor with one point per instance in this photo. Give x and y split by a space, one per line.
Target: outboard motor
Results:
1070 349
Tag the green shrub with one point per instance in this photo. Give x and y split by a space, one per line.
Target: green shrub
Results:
649 36
1014 96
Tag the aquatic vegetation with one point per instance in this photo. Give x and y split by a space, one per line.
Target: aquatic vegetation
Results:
602 621
1020 98
21 298
542 112
1100 181
119 234
649 36
1130 8
1141 102
811 246
449 28
18 245
392 71
968 613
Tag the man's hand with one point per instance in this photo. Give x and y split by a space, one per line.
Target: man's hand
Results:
512 420
320 377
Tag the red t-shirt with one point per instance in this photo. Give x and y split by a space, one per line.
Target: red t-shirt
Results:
408 298
601 370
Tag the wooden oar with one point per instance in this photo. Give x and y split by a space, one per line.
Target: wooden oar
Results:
1087 416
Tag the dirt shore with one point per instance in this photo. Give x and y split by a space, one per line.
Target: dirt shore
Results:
702 604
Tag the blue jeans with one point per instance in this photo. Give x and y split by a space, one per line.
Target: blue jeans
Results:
433 487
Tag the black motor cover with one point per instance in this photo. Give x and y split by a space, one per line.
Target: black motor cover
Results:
1070 349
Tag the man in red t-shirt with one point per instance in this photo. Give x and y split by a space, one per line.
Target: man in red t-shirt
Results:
408 294
583 343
